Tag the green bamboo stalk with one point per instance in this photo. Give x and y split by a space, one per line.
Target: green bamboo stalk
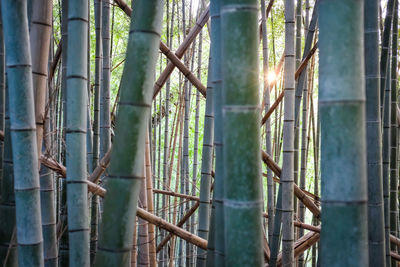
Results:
270 182
96 126
274 243
376 227
386 165
23 135
384 63
196 149
342 108
127 161
394 172
185 165
206 168
2 99
64 242
8 247
218 219
78 224
297 124
287 177
163 254
105 122
241 149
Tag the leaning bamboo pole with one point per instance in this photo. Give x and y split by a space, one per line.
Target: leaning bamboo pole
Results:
125 171
241 145
342 106
376 227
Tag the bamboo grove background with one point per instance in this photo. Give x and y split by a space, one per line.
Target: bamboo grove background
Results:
130 133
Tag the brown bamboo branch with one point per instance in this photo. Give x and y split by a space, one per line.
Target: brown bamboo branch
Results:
189 237
56 59
171 193
297 191
179 224
302 244
175 58
297 74
101 167
203 18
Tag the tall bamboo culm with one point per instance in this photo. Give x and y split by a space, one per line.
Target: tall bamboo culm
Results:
125 172
218 216
394 142
96 125
8 248
287 177
342 106
76 125
206 168
23 133
376 226
241 149
40 44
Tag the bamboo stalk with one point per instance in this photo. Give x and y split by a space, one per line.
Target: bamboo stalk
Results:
342 92
240 168
376 226
23 135
126 170
150 206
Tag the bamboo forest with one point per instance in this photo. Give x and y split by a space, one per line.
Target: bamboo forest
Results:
199 133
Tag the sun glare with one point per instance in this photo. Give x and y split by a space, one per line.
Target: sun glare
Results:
271 76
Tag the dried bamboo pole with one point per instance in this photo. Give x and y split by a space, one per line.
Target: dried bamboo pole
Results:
172 193
297 74
179 224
